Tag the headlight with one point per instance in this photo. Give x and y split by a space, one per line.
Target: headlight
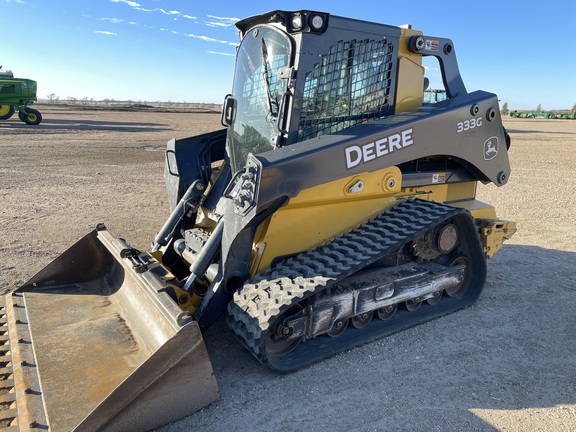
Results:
307 22
296 22
316 22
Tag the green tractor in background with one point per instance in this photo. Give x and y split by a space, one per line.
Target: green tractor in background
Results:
16 94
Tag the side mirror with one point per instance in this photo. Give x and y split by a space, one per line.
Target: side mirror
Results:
228 111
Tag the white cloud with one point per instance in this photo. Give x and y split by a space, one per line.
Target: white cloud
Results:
209 39
107 33
174 12
190 17
168 30
15 1
204 38
112 20
129 3
138 7
221 53
231 20
216 24
221 21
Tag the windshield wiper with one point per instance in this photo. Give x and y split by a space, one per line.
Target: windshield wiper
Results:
272 102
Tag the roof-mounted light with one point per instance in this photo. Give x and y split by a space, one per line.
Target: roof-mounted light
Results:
302 21
316 22
296 22
308 22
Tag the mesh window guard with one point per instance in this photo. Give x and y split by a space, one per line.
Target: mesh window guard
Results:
350 85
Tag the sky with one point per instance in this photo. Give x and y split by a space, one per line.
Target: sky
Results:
183 50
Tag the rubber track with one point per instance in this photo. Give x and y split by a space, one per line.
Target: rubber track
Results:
261 301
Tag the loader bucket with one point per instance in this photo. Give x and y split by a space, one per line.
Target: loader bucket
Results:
95 342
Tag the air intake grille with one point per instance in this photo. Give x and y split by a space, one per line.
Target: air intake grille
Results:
351 84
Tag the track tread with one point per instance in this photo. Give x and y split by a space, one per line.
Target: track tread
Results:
251 313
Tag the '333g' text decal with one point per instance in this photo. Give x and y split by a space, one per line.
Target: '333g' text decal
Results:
467 125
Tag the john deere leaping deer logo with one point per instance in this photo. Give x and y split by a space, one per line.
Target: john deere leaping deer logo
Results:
491 146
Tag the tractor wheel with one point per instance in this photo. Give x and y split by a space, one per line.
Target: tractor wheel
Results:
32 116
6 111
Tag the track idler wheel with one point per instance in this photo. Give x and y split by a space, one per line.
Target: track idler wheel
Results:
387 312
435 298
413 305
338 328
456 290
362 320
279 342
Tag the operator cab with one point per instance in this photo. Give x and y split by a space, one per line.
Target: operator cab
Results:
290 85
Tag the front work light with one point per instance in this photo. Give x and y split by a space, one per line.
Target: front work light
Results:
296 22
316 22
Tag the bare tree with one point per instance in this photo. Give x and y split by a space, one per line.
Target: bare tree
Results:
53 98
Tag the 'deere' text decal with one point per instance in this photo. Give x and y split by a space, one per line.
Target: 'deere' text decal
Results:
356 155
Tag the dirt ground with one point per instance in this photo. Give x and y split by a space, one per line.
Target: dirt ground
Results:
508 363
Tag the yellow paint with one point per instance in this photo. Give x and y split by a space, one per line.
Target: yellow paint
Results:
461 195
410 81
444 192
322 212
493 233
478 209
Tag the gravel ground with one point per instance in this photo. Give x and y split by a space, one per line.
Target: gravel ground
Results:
506 363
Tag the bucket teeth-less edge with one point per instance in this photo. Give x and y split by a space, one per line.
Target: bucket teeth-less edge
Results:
22 405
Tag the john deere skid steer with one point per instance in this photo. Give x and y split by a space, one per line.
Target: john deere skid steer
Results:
335 208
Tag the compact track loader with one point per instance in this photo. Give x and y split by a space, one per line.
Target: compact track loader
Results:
335 208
